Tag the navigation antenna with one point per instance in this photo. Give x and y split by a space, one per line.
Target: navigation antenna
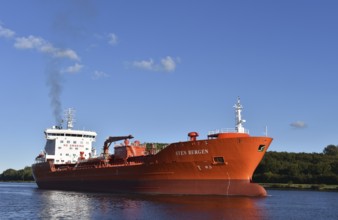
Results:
239 121
70 118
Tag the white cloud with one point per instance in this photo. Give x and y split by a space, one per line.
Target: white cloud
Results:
167 64
41 45
144 64
67 53
298 124
31 42
74 69
5 32
38 43
112 39
99 74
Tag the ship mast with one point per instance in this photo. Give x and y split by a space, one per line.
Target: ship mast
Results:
239 121
70 118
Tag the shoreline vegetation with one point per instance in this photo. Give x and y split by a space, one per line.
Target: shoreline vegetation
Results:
277 170
299 168
289 186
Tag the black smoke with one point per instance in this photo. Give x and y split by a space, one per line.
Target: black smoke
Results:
54 83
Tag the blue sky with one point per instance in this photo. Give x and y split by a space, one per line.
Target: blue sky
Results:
160 69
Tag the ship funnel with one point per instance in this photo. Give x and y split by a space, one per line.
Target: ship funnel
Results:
238 112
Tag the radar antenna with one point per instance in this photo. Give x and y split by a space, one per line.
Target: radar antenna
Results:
70 118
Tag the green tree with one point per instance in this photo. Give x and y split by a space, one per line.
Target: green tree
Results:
17 175
331 150
334 167
9 174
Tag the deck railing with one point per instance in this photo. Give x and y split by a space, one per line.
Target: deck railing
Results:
226 130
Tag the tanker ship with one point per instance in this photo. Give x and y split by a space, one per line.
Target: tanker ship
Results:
220 164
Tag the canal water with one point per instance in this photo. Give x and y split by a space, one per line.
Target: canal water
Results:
26 201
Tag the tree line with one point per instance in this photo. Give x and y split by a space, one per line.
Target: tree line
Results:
276 167
17 175
299 168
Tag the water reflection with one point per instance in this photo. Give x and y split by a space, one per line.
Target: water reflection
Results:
62 204
25 201
212 207
66 205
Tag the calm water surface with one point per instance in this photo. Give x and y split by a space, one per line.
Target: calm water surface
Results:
26 201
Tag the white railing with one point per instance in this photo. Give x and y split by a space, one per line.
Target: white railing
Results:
226 130
40 160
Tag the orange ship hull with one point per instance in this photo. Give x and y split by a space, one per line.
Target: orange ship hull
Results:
223 165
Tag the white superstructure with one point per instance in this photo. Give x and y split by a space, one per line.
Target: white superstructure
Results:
67 146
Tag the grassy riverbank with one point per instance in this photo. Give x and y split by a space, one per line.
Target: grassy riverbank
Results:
317 187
